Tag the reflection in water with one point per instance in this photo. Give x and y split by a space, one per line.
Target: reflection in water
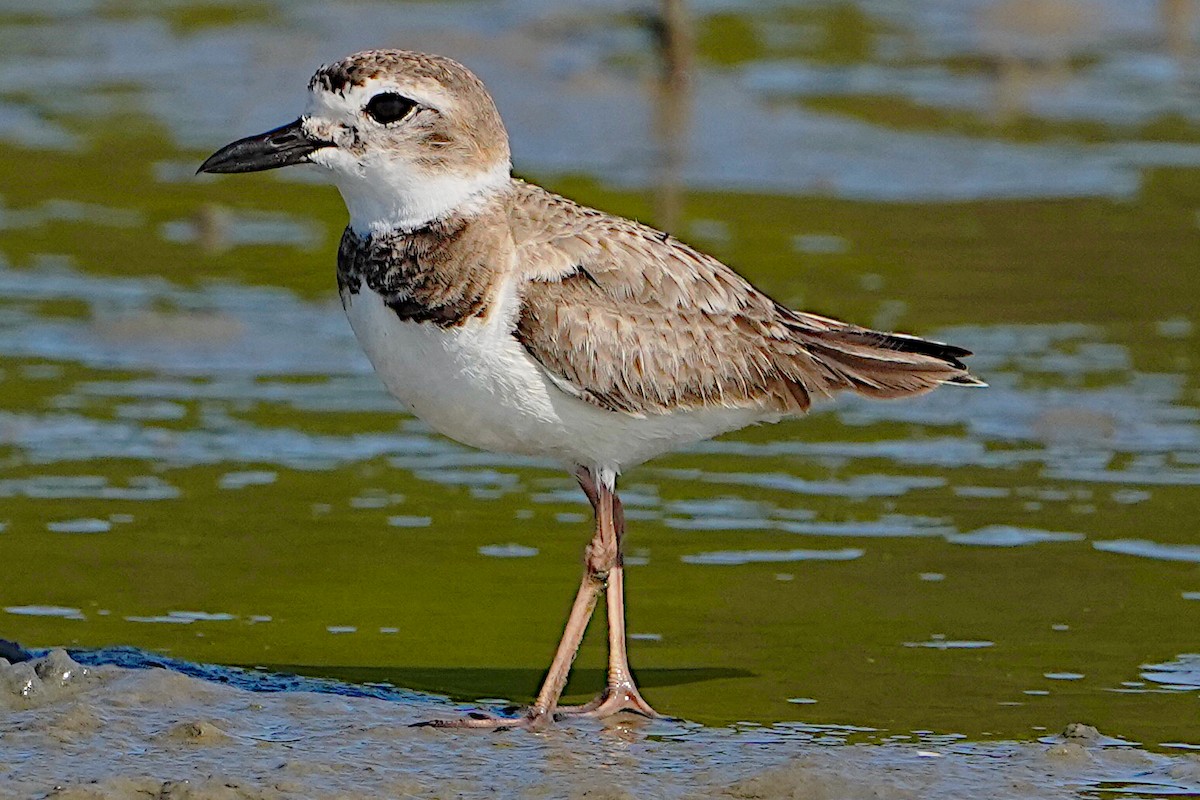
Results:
671 103
216 229
1032 42
1179 30
1035 42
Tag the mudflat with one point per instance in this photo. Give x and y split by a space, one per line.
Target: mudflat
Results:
72 732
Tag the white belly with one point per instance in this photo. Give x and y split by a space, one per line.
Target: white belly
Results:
477 384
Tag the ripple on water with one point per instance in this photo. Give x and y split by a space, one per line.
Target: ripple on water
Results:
46 611
218 331
858 486
485 478
1182 674
721 507
510 550
941 451
798 521
1010 536
188 617
83 525
89 487
1147 416
887 526
242 479
1145 548
737 557
715 523
982 492
1130 496
203 616
939 642
55 210
402 521
152 410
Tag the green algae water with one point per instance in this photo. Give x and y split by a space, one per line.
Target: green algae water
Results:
196 460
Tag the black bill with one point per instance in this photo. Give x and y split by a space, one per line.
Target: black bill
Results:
281 147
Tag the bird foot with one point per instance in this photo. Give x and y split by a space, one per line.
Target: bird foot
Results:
620 697
614 699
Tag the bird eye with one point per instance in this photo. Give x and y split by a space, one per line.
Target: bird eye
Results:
389 107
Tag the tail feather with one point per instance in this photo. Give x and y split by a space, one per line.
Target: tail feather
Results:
883 365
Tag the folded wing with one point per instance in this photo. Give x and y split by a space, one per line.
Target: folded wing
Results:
634 321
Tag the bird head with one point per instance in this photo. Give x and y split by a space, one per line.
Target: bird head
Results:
406 137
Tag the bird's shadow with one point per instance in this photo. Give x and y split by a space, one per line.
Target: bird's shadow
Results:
514 684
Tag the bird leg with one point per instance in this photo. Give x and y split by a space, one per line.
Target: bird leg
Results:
599 557
621 693
603 570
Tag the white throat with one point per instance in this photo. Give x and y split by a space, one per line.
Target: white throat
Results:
387 196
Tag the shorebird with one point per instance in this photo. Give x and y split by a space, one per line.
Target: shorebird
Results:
512 319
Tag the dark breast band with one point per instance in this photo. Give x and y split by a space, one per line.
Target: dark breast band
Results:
421 276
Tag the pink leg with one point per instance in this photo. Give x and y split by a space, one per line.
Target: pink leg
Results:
601 558
621 693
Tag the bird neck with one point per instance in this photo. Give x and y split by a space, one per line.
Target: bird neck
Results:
387 199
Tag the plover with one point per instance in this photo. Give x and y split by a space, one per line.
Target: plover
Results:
512 319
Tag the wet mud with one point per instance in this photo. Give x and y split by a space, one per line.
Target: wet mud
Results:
74 731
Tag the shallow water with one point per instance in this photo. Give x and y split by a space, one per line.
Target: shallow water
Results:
196 460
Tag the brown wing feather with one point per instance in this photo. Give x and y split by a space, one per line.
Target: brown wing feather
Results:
634 321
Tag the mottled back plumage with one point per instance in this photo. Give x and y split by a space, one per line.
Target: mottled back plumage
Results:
636 321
